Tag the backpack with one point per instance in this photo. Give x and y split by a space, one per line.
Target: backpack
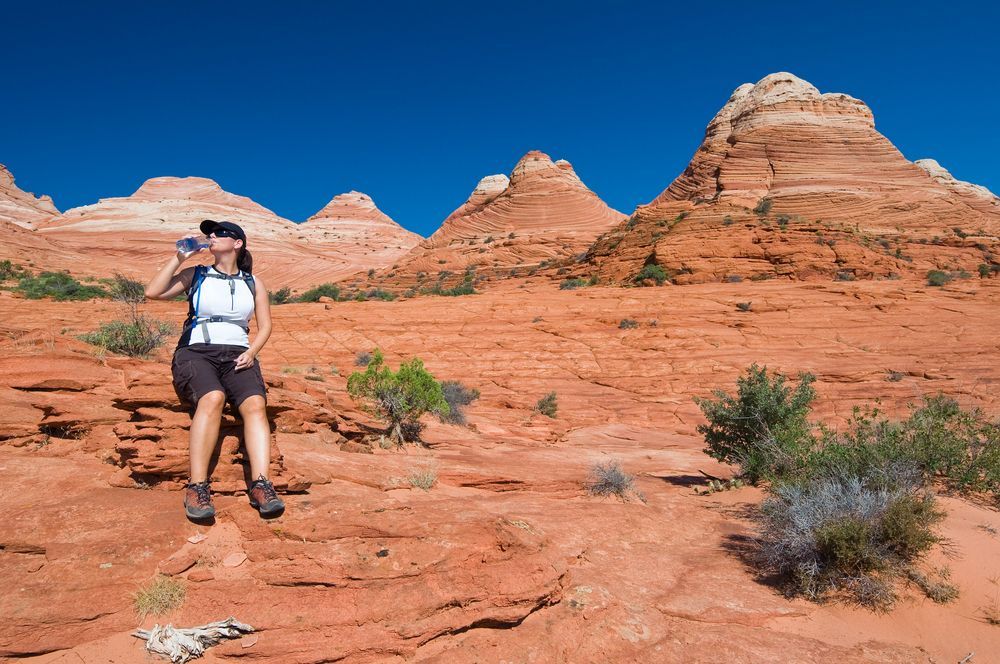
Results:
194 297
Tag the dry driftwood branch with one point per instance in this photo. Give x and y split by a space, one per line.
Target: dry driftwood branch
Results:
184 644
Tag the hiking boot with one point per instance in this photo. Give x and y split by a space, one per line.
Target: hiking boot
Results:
263 497
198 501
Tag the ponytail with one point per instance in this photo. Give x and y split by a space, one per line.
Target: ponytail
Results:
244 261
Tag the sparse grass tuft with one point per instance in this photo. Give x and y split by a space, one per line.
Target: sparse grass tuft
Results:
362 358
423 478
628 324
161 595
608 479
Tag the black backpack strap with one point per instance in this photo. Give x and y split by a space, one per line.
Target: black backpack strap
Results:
200 272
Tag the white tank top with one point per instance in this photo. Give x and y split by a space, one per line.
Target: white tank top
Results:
231 298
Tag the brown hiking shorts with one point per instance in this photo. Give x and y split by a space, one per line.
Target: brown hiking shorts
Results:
202 368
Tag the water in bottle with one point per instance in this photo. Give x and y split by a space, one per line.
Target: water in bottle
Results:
189 244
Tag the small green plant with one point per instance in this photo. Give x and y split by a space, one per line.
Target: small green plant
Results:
9 270
572 284
362 358
628 324
984 270
137 337
938 278
727 221
398 397
291 370
329 290
608 479
547 405
651 272
159 596
894 376
744 306
763 428
281 296
59 286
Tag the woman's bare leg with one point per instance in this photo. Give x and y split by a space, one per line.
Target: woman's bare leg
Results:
205 433
256 435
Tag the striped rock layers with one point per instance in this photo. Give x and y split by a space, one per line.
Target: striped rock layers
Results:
541 213
792 182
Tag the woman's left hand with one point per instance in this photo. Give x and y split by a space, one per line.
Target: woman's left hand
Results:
245 360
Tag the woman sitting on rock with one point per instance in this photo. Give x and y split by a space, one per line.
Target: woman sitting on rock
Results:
215 361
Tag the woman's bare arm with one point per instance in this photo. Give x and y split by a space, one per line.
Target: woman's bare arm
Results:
262 314
166 285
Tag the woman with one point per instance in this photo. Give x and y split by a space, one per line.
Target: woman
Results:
215 361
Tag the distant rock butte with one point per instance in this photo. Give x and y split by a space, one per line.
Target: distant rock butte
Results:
21 207
363 237
135 234
789 182
542 212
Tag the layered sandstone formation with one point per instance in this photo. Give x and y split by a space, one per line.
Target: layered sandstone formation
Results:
352 229
507 556
135 234
20 213
21 207
782 171
542 213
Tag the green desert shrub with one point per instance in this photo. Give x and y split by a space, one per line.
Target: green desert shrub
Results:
548 405
323 290
399 397
763 428
58 286
9 270
938 278
135 337
958 449
281 296
848 535
458 397
652 272
572 284
628 324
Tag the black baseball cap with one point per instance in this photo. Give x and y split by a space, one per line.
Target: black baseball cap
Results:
209 226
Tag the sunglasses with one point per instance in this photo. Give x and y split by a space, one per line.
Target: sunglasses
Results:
222 232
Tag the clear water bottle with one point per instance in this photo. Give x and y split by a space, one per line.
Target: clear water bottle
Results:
189 244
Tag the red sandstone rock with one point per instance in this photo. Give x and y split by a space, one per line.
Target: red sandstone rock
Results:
147 223
792 183
21 207
543 212
354 230
506 556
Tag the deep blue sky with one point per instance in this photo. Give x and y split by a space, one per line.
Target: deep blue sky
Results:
292 102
